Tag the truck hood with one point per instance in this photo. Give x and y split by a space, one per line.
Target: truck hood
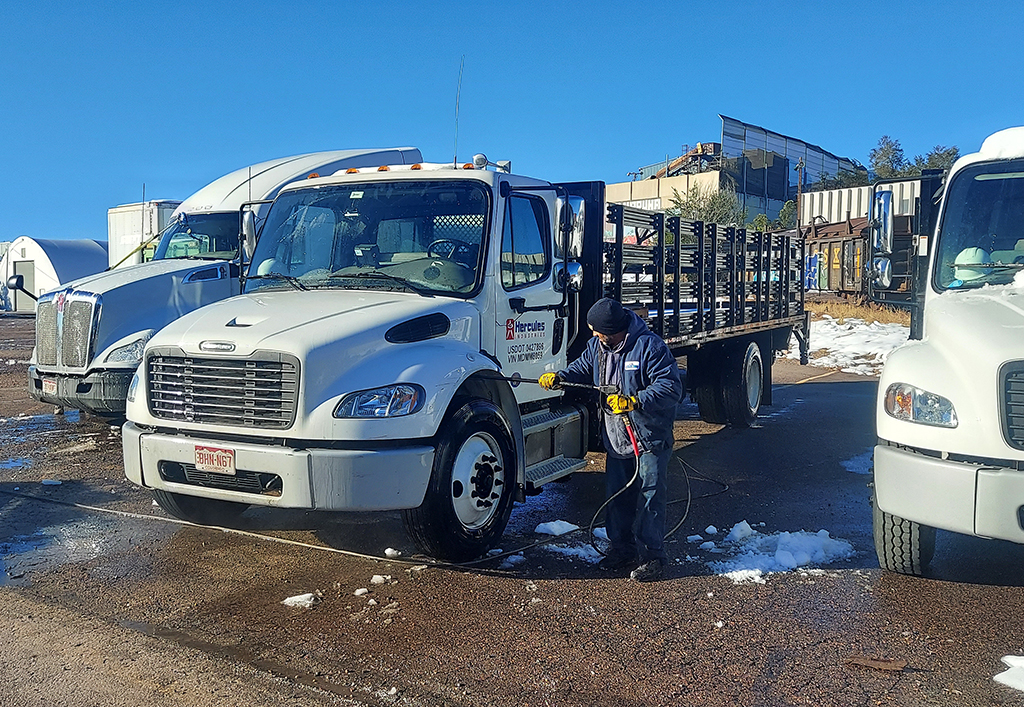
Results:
113 279
300 322
986 324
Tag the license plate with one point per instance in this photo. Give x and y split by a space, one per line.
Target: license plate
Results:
49 386
215 460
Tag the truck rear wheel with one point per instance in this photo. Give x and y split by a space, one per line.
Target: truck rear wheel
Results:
707 389
204 511
472 484
902 545
742 385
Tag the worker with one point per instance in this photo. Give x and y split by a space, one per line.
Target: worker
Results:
631 359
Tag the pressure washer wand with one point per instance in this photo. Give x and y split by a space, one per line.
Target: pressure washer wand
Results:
602 389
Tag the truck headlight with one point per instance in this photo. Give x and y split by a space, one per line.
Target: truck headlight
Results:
905 402
132 353
132 387
391 401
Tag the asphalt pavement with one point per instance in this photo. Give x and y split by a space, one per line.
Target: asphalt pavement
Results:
106 601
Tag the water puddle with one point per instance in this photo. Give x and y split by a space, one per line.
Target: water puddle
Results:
74 541
16 463
38 427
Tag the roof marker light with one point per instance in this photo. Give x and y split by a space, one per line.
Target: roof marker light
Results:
468 165
312 175
352 170
416 166
383 168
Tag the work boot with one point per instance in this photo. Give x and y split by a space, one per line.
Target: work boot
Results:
650 571
617 563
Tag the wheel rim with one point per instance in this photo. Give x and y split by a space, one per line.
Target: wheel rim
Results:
753 376
478 480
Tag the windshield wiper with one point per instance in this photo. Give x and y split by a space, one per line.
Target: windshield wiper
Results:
290 279
378 275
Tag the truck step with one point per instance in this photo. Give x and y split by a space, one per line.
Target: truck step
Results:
551 470
546 419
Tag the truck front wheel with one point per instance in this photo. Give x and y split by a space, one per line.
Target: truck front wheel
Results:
203 511
902 545
472 484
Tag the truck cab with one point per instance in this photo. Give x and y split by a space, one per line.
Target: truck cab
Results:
90 333
950 409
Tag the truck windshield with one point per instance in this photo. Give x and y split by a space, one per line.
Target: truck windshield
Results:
211 235
981 238
420 236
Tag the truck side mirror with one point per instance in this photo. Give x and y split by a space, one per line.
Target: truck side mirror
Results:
248 233
570 278
571 218
17 282
881 223
881 272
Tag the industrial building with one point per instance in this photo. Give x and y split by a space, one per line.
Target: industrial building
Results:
765 168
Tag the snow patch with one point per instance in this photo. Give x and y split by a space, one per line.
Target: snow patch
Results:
303 601
584 552
853 345
556 527
755 554
1014 676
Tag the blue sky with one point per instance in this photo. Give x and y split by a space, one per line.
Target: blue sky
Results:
98 98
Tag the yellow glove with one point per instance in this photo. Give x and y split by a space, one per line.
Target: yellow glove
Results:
622 403
550 381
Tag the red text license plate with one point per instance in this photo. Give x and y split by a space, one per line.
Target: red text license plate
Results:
215 460
49 386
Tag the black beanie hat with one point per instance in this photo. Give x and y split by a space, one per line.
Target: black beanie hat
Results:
608 317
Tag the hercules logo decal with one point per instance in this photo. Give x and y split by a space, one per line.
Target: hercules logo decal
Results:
515 329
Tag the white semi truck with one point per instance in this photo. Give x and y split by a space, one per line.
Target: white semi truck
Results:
390 318
950 410
91 332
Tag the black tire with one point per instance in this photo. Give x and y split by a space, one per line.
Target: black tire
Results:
706 373
743 385
204 511
902 545
472 485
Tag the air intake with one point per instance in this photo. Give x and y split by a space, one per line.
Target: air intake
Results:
431 326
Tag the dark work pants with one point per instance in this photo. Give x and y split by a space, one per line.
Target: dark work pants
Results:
635 521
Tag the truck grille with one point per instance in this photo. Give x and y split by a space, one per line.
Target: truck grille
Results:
1013 404
65 323
259 392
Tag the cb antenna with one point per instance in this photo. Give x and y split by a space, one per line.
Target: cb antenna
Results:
458 92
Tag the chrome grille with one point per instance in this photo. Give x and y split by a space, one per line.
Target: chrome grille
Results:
76 333
46 333
1013 404
259 392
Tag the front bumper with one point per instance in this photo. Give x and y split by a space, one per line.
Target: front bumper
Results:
101 393
974 499
323 479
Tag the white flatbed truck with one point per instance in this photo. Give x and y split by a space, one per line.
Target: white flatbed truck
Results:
374 361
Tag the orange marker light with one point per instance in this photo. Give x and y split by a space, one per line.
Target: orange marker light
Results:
383 168
416 166
468 165
312 175
352 170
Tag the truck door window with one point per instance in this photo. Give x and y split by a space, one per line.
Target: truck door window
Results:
524 245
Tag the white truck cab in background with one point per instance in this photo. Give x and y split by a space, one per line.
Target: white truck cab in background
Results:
950 410
91 332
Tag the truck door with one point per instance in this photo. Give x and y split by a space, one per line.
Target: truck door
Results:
530 337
